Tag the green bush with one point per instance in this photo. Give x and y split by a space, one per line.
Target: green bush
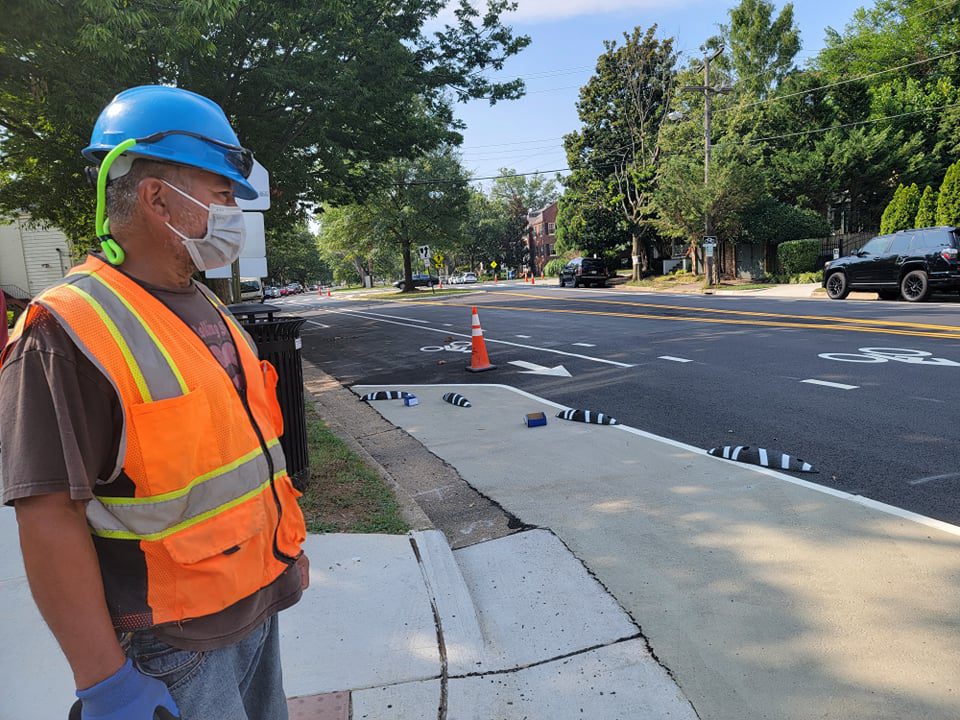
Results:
798 256
902 211
948 202
927 214
554 267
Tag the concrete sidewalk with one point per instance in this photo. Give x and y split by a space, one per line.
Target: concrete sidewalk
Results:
765 595
401 627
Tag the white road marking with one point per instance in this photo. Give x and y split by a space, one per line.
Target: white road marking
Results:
397 317
856 499
824 383
932 478
318 324
448 324
583 345
525 337
534 369
674 359
604 361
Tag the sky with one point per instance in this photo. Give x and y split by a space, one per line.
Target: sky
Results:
567 37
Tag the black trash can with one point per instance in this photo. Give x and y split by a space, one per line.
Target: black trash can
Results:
278 341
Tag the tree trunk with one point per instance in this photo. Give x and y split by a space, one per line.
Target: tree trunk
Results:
635 256
222 288
407 266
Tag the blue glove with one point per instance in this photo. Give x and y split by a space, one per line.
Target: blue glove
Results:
127 695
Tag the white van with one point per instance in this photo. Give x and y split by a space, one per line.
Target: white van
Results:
251 290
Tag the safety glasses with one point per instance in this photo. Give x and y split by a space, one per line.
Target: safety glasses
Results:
239 158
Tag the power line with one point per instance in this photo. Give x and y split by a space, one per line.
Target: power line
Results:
441 181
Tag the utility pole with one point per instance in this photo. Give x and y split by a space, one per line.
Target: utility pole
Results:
708 92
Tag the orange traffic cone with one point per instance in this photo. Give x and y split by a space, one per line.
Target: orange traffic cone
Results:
328 294
533 279
478 359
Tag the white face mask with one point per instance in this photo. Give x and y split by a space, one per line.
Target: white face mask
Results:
225 236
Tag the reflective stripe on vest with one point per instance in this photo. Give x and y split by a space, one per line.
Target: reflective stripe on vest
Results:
157 516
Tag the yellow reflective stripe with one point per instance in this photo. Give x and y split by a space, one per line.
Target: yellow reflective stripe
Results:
127 535
174 494
163 350
118 338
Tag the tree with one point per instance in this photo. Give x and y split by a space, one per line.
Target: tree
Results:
293 255
617 151
770 221
350 246
425 203
901 213
948 202
325 94
762 49
513 196
927 212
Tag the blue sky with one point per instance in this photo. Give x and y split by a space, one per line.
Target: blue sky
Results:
567 36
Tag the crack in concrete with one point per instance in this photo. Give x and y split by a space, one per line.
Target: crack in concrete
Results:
441 643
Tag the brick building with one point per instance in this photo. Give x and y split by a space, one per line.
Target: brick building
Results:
541 237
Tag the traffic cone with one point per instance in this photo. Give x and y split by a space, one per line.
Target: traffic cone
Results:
328 294
533 280
478 358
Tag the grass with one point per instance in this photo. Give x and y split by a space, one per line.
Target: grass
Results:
345 495
419 292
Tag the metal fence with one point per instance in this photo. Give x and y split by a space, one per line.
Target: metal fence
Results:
846 244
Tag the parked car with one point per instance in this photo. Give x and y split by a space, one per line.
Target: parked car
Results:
584 271
251 290
455 279
908 264
419 280
468 277
271 292
294 288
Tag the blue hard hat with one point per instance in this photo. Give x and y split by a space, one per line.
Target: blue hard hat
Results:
177 126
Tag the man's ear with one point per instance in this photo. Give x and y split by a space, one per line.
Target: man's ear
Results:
153 197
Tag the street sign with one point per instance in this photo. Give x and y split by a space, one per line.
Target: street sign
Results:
260 179
438 260
423 251
709 240
494 264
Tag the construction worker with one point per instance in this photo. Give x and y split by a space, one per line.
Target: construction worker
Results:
159 529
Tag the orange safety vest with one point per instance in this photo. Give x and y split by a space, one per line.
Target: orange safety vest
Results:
199 511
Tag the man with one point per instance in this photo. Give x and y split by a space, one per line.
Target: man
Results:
159 529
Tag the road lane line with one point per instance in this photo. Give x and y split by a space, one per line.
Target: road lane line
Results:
583 345
525 337
824 383
954 335
674 359
755 313
396 317
604 361
318 324
932 478
775 474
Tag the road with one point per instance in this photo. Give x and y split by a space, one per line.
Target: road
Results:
705 370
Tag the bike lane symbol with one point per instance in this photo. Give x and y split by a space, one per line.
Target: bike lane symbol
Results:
875 355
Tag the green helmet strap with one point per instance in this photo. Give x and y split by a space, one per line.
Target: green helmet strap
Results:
111 249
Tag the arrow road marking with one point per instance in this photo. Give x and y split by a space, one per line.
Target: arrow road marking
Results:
534 369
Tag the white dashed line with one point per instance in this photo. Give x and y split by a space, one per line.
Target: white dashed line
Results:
824 383
673 359
525 337
583 345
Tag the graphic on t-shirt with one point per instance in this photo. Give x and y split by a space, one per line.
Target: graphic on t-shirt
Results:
217 338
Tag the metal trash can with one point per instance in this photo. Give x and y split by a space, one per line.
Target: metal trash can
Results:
278 341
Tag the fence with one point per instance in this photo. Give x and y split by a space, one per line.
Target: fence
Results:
847 244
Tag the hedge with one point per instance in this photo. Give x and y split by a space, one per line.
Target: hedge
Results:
554 267
798 256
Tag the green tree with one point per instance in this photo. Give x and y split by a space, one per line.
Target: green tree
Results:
425 203
901 213
948 201
762 48
325 94
349 244
514 196
927 213
293 255
617 150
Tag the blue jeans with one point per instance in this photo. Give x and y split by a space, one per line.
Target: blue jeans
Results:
242 681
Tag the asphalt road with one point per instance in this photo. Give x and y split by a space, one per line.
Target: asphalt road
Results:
705 370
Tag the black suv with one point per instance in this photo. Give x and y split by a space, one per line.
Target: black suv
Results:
909 263
584 271
419 280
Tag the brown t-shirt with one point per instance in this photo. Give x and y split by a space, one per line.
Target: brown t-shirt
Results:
60 426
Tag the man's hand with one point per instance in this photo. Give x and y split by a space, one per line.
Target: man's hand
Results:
127 695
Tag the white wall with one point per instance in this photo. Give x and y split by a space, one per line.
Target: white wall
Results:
32 257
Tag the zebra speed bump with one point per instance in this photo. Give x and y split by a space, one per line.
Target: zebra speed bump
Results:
587 416
456 399
761 457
